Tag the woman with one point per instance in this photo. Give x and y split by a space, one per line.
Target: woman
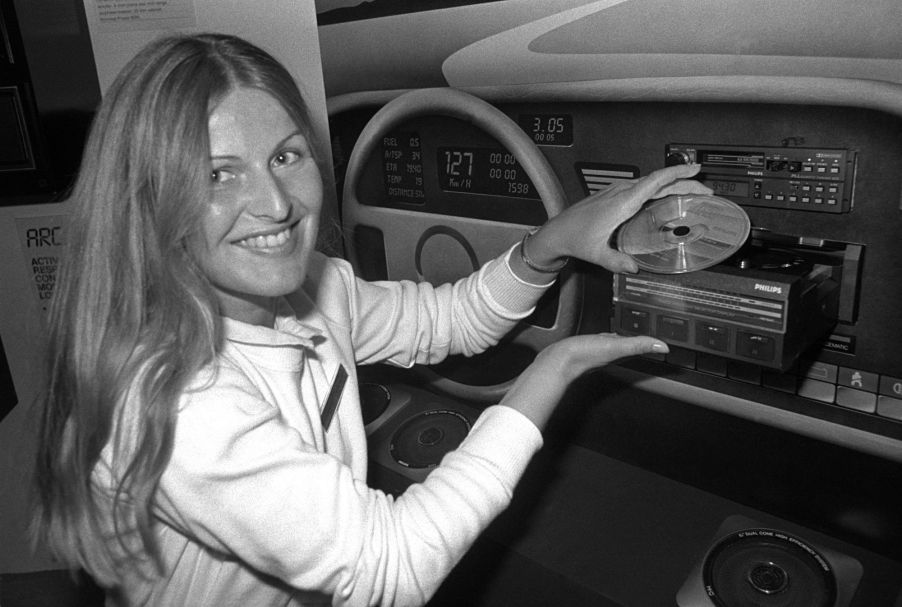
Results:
185 458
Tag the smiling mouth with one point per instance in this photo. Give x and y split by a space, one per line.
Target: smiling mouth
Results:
268 241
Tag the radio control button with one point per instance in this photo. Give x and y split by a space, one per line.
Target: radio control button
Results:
891 386
677 157
681 357
714 337
817 370
888 406
817 390
709 363
856 399
752 345
860 380
634 321
670 327
784 382
744 372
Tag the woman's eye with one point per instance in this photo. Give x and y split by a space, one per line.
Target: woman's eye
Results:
286 157
220 176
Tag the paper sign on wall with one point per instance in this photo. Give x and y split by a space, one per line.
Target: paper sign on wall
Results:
41 240
138 15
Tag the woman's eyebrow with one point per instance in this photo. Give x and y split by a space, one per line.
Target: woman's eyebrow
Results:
292 135
289 137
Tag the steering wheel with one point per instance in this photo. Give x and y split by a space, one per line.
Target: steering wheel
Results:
463 243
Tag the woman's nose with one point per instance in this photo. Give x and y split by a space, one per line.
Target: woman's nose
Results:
270 198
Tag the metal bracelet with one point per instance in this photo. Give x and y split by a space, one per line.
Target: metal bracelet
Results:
532 264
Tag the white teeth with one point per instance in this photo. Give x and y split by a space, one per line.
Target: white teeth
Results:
266 242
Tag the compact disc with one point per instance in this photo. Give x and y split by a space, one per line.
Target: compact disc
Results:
684 233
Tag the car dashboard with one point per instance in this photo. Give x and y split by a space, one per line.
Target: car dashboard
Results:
780 440
651 459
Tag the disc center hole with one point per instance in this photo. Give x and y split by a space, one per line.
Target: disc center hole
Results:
681 230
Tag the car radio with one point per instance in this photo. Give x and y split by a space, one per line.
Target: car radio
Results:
805 179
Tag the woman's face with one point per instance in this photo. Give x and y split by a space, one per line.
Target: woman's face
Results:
266 192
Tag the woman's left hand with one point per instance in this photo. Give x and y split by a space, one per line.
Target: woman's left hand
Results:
584 230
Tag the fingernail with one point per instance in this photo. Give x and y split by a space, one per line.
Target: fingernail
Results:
660 347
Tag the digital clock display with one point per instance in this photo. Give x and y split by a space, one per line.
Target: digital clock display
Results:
548 129
491 171
728 187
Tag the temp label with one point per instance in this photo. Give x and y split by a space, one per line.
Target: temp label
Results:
41 240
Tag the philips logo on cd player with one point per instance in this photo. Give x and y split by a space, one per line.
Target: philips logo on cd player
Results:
776 289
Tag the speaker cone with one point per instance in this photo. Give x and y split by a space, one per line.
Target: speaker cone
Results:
423 440
767 568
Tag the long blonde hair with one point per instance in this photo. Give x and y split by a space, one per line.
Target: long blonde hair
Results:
133 320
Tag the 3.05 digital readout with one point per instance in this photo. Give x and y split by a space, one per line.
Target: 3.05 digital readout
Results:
491 171
548 129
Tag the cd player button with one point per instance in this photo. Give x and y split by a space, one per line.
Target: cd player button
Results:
744 372
784 382
856 399
888 406
709 363
714 337
681 357
670 327
634 321
752 345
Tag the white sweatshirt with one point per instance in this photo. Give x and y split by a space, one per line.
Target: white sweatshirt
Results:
259 506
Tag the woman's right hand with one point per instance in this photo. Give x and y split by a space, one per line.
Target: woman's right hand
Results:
541 386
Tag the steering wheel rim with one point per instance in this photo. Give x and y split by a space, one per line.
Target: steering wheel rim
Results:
464 106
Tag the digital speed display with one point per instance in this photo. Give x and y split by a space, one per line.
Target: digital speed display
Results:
491 171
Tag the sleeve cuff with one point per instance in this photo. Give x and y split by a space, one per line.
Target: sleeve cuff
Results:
508 290
507 438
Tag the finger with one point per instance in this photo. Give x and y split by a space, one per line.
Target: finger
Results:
687 186
622 347
613 188
615 261
656 180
